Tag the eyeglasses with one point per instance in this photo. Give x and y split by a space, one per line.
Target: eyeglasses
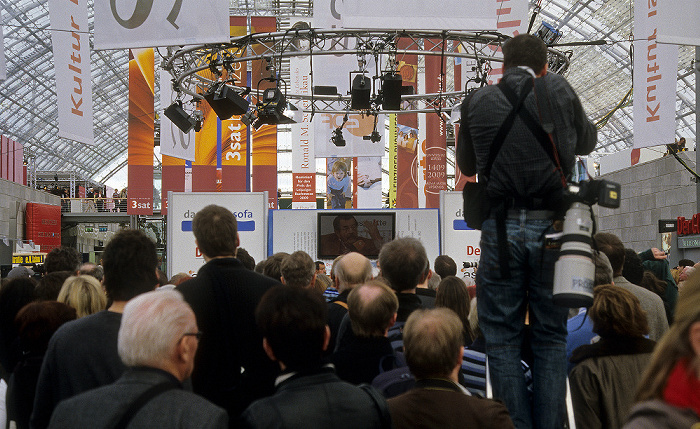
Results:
194 334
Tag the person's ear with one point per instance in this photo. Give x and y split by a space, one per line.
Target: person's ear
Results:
238 240
326 338
268 350
284 282
313 281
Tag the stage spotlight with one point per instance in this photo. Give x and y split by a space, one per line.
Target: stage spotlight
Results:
548 33
360 93
391 91
225 101
337 137
271 110
325 90
180 118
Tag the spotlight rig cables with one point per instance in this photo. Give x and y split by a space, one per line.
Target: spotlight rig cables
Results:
210 70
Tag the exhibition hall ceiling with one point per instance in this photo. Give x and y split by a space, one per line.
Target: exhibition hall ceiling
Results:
601 75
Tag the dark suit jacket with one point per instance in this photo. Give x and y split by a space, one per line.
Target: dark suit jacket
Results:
104 406
225 311
315 400
439 403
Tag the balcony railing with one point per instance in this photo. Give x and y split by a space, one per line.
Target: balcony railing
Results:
93 205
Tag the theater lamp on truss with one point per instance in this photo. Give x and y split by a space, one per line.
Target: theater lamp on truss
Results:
272 108
225 101
183 120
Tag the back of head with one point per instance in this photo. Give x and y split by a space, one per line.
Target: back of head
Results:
293 322
371 307
453 294
686 263
162 278
245 258
37 321
613 248
603 269
130 262
62 259
151 326
351 270
652 283
179 278
50 285
403 262
14 295
525 50
675 344
273 266
215 229
84 293
432 342
445 266
91 269
616 313
632 268
298 269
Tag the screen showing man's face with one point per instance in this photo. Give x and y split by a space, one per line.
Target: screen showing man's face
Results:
347 229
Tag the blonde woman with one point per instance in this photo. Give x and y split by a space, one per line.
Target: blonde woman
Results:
669 392
84 293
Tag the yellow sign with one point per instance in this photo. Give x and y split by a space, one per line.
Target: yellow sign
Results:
28 258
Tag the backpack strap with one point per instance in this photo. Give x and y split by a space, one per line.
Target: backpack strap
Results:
380 404
342 304
141 401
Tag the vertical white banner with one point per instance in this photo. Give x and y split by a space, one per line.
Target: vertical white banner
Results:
511 21
327 13
303 158
147 23
3 64
655 69
71 55
369 182
173 141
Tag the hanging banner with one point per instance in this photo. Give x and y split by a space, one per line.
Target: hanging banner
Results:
512 20
678 23
368 182
234 133
172 177
407 136
326 14
264 150
303 157
435 165
416 15
173 142
205 169
71 56
141 24
656 66
393 168
338 183
141 120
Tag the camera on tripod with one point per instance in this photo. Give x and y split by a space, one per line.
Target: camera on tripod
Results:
574 271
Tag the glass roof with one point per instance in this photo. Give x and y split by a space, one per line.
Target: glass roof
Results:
601 74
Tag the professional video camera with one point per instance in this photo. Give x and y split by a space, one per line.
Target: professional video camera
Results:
574 271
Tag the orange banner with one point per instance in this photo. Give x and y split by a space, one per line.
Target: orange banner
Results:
436 134
141 130
407 139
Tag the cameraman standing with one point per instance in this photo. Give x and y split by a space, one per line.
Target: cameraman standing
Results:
521 137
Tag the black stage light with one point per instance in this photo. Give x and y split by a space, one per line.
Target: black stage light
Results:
225 101
180 118
391 91
337 137
325 90
360 93
271 110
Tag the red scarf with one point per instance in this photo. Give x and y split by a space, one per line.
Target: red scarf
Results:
683 387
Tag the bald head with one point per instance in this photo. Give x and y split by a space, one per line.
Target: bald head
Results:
352 269
372 309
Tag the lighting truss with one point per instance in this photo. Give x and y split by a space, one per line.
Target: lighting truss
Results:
189 65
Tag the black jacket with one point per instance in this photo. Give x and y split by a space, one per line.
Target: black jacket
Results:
225 311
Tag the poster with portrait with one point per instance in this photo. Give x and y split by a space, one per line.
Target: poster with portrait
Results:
339 183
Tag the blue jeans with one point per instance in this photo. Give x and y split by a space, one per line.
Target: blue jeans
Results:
502 304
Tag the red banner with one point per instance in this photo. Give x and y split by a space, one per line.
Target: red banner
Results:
436 134
407 140
43 225
141 120
264 150
173 179
5 158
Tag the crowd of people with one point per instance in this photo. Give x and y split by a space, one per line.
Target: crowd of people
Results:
273 345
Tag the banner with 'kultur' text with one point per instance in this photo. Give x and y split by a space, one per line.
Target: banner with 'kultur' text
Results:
655 69
71 55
